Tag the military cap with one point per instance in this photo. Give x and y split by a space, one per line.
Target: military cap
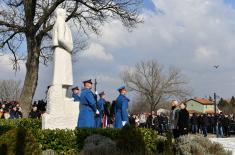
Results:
75 88
87 81
102 93
121 88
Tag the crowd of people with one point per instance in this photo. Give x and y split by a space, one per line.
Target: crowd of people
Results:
10 109
181 122
13 110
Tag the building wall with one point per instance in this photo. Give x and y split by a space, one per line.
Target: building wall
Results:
208 108
193 105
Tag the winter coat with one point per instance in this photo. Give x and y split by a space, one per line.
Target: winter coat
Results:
86 118
121 108
183 121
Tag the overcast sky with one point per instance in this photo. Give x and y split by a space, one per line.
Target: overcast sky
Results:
193 35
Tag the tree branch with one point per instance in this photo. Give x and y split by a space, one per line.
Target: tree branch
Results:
46 14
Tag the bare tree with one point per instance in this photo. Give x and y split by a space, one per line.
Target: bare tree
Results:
10 89
153 84
30 22
138 105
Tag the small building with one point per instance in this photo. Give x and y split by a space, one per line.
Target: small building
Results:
200 105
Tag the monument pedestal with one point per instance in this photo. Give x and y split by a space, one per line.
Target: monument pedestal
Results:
58 122
62 112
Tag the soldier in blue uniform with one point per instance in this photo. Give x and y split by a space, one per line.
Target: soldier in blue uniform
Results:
86 118
75 95
100 107
121 107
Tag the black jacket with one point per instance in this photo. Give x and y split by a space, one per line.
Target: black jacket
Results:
205 120
183 118
194 120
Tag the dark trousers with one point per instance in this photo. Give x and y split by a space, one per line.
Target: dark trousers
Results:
204 130
194 128
176 133
226 130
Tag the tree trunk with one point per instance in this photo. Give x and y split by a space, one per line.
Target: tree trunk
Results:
31 77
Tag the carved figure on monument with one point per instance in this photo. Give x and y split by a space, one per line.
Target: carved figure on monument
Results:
62 112
63 46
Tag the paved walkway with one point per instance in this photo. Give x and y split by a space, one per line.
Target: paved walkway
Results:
228 143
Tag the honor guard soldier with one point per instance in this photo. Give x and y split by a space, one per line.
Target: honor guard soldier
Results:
86 118
75 95
121 107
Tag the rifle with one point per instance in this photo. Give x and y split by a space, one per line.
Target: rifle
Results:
96 97
95 91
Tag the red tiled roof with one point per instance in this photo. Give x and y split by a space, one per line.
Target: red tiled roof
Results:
203 101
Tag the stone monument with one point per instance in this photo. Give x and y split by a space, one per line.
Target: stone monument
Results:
62 112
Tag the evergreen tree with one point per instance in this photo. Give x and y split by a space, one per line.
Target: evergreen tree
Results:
222 102
232 101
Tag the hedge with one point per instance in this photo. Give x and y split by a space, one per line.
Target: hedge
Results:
64 141
19 141
27 123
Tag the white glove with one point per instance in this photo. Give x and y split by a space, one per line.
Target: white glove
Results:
124 123
97 112
97 93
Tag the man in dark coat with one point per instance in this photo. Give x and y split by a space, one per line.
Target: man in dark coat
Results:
205 123
200 126
213 124
34 113
219 125
149 121
226 126
14 113
183 121
161 124
132 120
194 123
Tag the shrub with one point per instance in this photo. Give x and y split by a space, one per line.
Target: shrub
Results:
61 141
19 141
131 141
193 145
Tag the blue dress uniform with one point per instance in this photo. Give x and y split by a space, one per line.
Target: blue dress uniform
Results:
86 118
100 106
121 113
76 97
